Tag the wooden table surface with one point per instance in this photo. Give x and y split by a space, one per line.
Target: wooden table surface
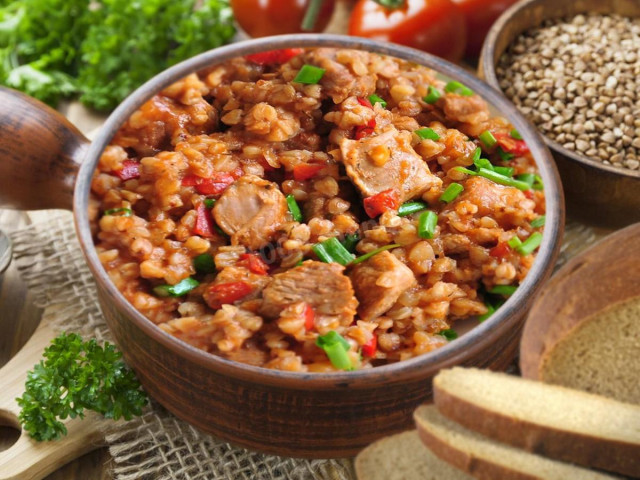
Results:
18 319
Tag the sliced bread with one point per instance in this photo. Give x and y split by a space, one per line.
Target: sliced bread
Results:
601 354
551 420
486 459
403 457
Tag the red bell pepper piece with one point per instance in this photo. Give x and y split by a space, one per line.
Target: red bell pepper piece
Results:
501 250
215 185
130 169
382 202
510 144
370 348
224 293
309 317
305 171
365 102
529 194
365 130
254 263
274 56
204 222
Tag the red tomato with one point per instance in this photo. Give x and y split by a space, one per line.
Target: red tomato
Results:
305 171
254 263
204 222
435 26
381 202
261 18
130 169
223 293
480 15
309 317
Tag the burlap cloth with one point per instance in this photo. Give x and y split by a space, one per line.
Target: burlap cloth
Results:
158 445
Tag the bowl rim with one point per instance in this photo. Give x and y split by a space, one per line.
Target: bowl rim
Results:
480 337
487 69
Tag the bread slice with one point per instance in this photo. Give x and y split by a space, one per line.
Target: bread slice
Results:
486 459
403 457
551 420
601 354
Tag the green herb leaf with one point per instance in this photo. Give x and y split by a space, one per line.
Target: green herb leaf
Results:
309 74
181 288
367 256
449 334
538 222
427 223
294 209
350 242
122 212
459 88
337 349
504 290
451 193
433 95
409 208
332 251
391 4
76 376
204 263
377 99
427 134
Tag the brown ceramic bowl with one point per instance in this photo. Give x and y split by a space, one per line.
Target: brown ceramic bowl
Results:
596 193
294 414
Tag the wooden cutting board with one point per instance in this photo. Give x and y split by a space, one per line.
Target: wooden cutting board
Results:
20 348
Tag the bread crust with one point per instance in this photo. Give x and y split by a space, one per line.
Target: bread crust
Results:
573 447
479 468
606 274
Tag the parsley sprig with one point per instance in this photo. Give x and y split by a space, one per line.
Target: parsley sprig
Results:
76 376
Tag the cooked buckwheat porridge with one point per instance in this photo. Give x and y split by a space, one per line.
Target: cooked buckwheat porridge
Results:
316 210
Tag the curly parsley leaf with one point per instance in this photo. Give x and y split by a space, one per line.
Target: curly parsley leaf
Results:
76 376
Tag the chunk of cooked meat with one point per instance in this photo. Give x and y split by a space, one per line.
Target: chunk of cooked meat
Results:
404 170
250 211
338 81
507 205
322 285
379 282
465 109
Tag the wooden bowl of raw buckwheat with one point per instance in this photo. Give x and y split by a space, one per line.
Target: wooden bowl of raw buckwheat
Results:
542 55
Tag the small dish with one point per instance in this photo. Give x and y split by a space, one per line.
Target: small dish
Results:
595 193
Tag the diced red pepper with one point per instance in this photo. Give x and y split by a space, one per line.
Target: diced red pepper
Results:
365 102
365 130
309 317
529 194
511 145
382 202
370 348
305 171
254 263
274 56
215 185
130 169
224 293
204 222
501 250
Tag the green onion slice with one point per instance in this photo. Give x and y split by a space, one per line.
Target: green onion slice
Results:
332 251
299 263
514 242
502 179
516 134
337 349
350 241
377 99
209 202
538 222
433 95
204 263
530 244
409 208
504 290
122 212
487 139
505 156
309 75
477 154
294 209
506 171
483 163
181 288
367 256
451 193
533 180
449 334
459 88
427 134
427 224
